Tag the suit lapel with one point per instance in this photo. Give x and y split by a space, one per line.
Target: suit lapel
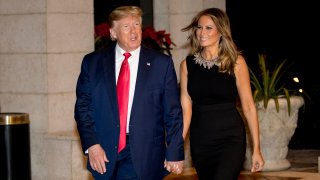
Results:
110 78
144 67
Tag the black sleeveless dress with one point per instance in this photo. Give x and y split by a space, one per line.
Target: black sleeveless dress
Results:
217 132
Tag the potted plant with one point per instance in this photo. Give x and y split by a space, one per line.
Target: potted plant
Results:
278 108
267 87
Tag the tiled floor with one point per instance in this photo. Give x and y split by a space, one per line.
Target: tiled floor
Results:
304 166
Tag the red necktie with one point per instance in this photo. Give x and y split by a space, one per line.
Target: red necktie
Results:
123 97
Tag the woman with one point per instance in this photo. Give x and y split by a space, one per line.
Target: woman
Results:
212 79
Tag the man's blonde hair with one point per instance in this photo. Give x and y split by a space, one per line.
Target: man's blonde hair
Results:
123 12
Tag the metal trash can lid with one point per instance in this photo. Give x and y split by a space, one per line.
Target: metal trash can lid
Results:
14 118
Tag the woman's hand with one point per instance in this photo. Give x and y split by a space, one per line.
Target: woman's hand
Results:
257 162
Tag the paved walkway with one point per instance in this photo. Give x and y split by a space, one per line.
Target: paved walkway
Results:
304 166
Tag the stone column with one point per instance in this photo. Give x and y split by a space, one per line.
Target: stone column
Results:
42 43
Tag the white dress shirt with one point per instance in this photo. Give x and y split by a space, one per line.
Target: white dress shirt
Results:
133 64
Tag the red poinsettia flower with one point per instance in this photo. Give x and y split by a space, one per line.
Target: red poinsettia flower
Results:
168 39
101 30
149 32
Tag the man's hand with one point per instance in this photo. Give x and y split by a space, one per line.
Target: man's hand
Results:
97 158
174 166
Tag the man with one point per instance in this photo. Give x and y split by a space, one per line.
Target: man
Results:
153 141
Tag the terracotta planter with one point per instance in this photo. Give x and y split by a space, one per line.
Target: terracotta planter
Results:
276 130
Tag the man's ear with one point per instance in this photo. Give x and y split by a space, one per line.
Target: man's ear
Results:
113 34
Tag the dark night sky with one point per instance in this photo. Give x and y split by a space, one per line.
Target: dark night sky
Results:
102 8
284 29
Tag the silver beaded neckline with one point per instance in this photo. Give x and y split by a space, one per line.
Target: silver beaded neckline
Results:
206 63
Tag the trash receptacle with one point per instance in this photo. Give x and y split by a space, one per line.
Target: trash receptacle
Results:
15 158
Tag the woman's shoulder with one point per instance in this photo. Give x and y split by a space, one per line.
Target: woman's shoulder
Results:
240 59
240 64
187 63
189 59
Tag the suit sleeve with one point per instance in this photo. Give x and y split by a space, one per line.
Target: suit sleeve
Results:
173 116
83 113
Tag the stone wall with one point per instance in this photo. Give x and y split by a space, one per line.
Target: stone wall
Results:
42 43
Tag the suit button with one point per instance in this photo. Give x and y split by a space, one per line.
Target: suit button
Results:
118 125
116 147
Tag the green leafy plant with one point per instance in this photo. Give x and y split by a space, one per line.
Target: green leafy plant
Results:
267 84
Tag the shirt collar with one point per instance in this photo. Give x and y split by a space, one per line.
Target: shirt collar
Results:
120 51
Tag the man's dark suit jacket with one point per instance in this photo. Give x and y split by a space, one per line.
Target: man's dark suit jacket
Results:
156 117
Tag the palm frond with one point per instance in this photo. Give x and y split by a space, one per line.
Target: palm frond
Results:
266 83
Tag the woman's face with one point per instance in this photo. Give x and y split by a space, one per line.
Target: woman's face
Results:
207 32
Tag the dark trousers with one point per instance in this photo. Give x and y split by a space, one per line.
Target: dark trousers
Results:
124 167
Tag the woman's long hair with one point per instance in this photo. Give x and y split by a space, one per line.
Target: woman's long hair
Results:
227 52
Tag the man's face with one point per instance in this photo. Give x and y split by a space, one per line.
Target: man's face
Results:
128 32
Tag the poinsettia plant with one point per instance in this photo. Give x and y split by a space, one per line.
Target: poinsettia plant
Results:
158 40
